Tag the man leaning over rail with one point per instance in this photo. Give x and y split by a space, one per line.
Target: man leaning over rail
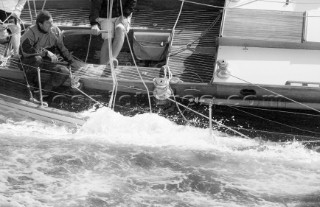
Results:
117 24
37 44
10 11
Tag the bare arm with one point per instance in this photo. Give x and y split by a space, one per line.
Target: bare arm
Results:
19 7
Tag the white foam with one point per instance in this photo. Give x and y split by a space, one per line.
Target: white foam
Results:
261 168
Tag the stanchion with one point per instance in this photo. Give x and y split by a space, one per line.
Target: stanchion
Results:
40 87
209 102
210 119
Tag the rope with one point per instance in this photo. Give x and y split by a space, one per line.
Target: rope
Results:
174 97
187 46
44 3
218 123
167 72
135 64
276 93
173 32
275 121
138 71
166 67
272 110
31 18
219 7
293 2
35 8
7 18
92 99
246 3
207 5
316 139
114 76
250 2
87 55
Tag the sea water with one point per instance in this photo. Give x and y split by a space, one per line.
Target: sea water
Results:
147 160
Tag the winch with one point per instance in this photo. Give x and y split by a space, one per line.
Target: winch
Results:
162 89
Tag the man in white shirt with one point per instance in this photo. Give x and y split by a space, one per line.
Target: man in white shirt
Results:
10 11
118 25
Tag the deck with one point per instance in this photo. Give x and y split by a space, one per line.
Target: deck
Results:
193 51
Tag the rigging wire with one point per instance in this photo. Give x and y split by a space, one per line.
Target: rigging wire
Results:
218 123
30 13
135 64
89 44
92 99
202 4
278 94
183 116
44 4
290 1
276 122
173 32
35 8
272 110
249 2
253 1
186 47
110 53
246 3
314 139
219 7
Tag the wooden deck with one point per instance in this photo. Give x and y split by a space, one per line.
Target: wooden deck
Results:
192 57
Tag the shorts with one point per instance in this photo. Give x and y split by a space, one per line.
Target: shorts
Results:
112 24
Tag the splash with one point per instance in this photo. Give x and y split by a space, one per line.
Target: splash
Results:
152 159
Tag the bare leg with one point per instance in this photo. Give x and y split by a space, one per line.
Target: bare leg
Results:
118 41
117 44
15 39
104 54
